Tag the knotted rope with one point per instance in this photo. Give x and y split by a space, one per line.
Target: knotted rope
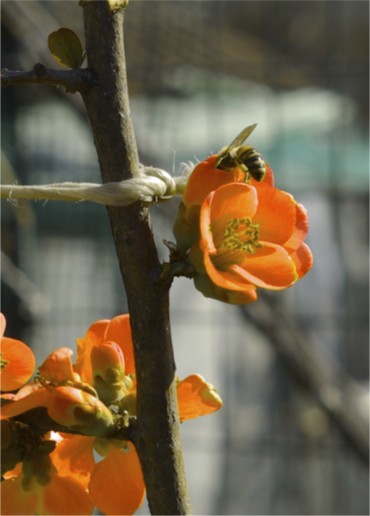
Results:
152 186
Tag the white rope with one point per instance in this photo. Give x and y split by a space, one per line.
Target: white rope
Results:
153 186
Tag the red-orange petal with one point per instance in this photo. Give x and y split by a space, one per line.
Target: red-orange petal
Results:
269 267
119 331
117 484
15 500
58 366
196 397
300 230
225 279
65 495
205 179
209 289
236 200
37 398
276 214
17 364
93 336
74 456
303 259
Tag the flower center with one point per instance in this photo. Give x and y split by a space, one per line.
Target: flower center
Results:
240 237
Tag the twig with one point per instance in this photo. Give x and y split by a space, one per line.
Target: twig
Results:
72 80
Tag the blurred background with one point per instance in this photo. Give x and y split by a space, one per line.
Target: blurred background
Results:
292 368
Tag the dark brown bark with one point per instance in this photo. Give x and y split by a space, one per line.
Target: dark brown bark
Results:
157 438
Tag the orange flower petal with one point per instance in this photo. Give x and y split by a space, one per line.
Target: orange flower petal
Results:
15 500
229 279
237 200
74 456
117 484
17 364
93 336
205 179
276 215
37 398
207 240
58 366
238 297
196 397
269 267
303 259
119 331
300 230
64 495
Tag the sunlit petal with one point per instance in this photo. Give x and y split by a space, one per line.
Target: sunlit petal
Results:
302 259
301 228
15 500
196 397
65 495
93 336
269 267
17 364
276 214
117 485
119 331
58 366
74 455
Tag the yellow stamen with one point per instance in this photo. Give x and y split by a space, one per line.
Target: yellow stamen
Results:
240 237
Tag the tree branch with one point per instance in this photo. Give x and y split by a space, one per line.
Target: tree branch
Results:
157 437
71 80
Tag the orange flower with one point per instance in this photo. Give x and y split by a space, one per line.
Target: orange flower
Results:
80 397
250 236
204 179
39 488
17 361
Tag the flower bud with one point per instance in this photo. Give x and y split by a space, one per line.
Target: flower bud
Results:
108 366
79 411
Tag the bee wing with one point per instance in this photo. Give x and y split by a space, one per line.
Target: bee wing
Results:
241 137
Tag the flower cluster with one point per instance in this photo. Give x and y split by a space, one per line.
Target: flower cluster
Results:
240 235
58 472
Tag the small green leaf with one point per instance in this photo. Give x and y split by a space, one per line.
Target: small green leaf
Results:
66 48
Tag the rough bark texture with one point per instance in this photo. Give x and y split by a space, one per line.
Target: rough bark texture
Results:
157 436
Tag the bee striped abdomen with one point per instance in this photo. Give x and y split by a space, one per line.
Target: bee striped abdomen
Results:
253 161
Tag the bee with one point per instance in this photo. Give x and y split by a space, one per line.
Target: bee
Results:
243 156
